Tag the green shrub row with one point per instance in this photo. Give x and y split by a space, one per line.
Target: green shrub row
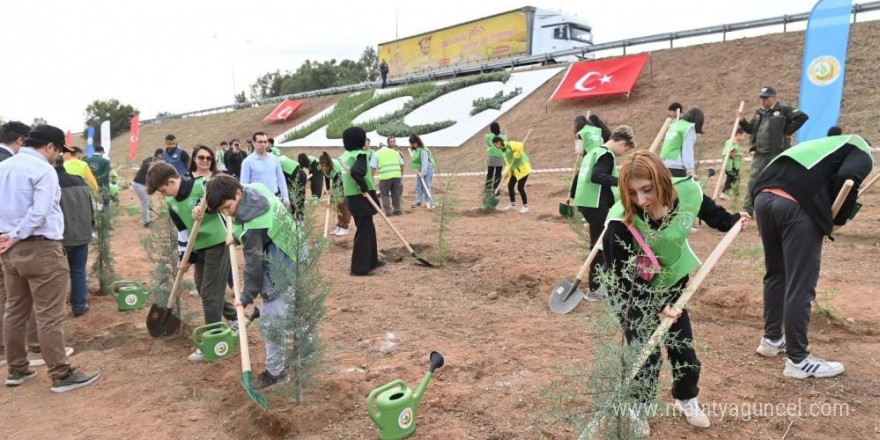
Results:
494 102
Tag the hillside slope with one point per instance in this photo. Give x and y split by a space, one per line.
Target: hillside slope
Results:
713 77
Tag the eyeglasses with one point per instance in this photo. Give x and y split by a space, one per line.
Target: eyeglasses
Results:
204 157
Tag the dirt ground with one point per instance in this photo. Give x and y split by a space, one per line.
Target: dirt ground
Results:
501 354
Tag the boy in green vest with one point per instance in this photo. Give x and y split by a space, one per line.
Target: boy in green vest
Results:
209 255
734 163
273 244
792 200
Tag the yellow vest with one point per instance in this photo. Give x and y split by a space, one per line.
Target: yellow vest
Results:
79 168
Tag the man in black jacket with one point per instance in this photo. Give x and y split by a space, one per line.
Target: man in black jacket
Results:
76 206
233 158
772 128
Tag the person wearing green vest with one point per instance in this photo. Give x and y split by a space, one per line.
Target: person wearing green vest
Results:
423 162
221 155
589 133
210 254
519 168
792 199
356 182
101 169
678 145
496 157
734 163
113 189
316 177
656 211
594 190
296 178
273 245
273 149
388 164
75 166
332 170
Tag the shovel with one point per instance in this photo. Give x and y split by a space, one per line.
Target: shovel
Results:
161 320
246 374
402 240
327 214
566 296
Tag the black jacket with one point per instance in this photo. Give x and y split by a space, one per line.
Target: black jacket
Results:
783 120
76 206
233 162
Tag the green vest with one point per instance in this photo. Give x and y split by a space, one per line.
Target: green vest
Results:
670 244
490 147
674 141
276 151
282 229
416 160
288 165
587 192
735 162
114 183
812 152
591 137
211 232
349 187
388 163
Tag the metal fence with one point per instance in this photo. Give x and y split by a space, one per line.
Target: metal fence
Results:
513 62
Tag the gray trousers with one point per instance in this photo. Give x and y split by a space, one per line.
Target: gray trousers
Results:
792 257
212 269
144 198
759 162
391 190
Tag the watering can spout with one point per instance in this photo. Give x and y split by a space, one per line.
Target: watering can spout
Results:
436 362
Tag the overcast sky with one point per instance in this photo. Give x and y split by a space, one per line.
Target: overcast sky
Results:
184 55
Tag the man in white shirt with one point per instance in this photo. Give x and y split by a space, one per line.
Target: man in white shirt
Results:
264 168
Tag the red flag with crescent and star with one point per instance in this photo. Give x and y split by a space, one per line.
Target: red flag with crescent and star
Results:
284 110
135 135
613 76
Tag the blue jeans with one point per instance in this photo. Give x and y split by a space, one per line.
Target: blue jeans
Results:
421 194
77 256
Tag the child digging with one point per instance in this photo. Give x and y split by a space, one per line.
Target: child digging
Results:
734 163
209 254
272 244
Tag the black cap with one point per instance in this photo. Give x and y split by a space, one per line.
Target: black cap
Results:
767 91
51 134
16 127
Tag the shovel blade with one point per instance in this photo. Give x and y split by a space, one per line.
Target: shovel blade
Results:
566 210
162 322
563 299
248 384
422 260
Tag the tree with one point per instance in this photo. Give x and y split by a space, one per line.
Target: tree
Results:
119 115
370 64
267 86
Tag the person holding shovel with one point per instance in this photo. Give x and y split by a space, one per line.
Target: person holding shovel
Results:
678 145
653 217
210 254
423 162
273 245
518 169
735 163
333 180
589 132
793 206
355 184
594 190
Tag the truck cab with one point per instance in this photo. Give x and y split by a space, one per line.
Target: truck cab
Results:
552 31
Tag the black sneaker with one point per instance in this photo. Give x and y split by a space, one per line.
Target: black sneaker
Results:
266 379
17 377
73 380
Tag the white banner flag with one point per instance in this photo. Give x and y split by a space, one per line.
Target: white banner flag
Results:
105 138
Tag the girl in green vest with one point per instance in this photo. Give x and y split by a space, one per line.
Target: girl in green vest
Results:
519 168
423 162
589 133
333 181
660 209
594 190
678 145
496 158
356 182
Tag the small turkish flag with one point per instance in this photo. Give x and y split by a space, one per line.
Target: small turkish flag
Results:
284 110
135 137
600 78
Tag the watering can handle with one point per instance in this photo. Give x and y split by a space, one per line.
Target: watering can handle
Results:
118 285
203 328
371 399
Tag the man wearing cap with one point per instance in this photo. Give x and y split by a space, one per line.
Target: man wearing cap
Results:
34 266
772 128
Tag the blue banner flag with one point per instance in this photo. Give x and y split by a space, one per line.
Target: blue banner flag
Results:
90 142
822 75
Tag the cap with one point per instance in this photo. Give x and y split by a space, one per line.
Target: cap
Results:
51 134
767 91
16 127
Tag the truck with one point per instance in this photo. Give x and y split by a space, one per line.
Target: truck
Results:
520 32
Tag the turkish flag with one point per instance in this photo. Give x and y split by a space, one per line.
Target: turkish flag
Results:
284 110
68 138
601 78
135 136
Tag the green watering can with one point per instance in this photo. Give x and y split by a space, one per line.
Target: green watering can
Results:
217 340
393 406
130 295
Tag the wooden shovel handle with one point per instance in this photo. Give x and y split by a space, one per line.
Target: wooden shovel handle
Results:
581 275
178 279
236 291
658 141
379 210
722 176
692 287
868 185
841 197
327 214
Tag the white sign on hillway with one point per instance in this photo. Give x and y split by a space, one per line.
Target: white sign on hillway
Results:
455 106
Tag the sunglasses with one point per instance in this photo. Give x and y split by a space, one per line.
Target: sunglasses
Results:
204 157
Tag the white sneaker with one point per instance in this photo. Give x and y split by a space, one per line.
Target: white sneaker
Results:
524 209
509 207
340 232
640 426
691 409
197 356
596 295
768 348
812 367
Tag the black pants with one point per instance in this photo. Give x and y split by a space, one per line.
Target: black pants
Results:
679 348
595 217
678 172
317 183
520 186
493 178
211 269
731 180
792 257
364 252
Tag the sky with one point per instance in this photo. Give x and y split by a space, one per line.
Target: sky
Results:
185 55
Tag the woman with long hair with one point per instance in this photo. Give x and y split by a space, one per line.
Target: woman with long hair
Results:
423 162
681 139
332 170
